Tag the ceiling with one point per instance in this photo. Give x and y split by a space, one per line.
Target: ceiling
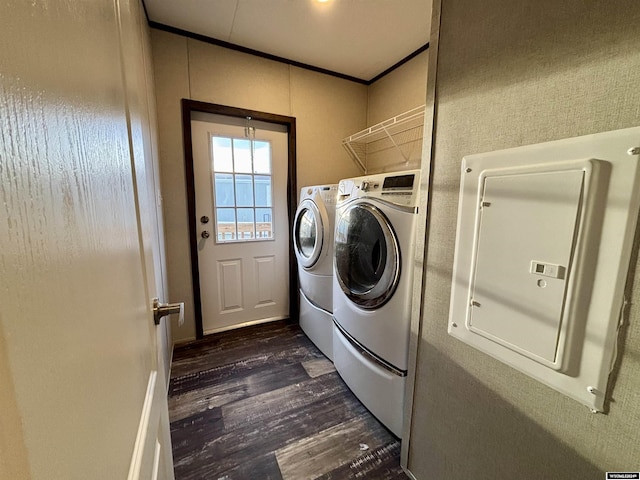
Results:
354 38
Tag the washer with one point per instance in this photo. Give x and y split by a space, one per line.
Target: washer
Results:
313 246
376 219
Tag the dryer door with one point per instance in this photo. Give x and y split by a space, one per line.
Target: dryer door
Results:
367 256
308 233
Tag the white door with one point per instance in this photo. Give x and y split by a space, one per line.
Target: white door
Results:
152 456
241 208
81 387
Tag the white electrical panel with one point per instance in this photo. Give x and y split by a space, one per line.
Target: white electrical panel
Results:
542 252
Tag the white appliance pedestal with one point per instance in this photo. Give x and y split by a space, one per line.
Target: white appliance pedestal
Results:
381 391
317 324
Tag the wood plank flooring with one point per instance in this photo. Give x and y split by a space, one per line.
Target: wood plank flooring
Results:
263 403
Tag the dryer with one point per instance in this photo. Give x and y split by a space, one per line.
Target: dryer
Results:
374 241
313 245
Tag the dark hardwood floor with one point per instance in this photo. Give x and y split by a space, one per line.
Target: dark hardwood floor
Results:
262 402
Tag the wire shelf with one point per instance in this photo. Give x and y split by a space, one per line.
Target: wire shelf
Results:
396 141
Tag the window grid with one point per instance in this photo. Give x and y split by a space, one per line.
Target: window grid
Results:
240 228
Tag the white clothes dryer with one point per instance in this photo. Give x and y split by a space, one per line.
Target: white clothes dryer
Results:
313 245
374 242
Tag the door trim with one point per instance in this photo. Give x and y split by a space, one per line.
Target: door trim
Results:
190 106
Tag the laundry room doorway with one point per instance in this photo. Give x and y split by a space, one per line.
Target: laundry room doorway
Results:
240 177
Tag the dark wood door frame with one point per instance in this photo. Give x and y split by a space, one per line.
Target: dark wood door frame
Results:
190 106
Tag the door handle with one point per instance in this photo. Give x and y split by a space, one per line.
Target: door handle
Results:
205 234
163 309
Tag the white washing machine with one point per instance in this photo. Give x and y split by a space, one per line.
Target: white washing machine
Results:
313 245
376 219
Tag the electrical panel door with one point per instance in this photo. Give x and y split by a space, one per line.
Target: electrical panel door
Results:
527 224
543 245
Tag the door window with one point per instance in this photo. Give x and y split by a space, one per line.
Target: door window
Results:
242 187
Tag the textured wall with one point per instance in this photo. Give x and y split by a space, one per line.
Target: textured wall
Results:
510 74
327 109
397 92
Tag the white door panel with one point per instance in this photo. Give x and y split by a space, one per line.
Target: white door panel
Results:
265 273
241 282
81 379
230 285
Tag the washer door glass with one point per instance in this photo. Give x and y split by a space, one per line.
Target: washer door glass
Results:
367 257
308 233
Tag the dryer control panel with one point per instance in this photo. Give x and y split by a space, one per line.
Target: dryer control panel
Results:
401 188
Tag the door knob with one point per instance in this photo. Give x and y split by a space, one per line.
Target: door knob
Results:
163 309
205 234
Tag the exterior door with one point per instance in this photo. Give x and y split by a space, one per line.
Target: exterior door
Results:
82 392
240 173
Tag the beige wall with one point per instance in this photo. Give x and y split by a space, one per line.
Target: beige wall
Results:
530 71
399 91
326 109
396 93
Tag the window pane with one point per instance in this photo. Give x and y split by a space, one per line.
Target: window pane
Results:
244 191
226 224
221 151
242 181
264 223
223 188
246 227
263 190
261 157
245 215
242 155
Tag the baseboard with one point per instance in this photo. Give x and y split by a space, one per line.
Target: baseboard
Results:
409 474
246 324
184 341
168 379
